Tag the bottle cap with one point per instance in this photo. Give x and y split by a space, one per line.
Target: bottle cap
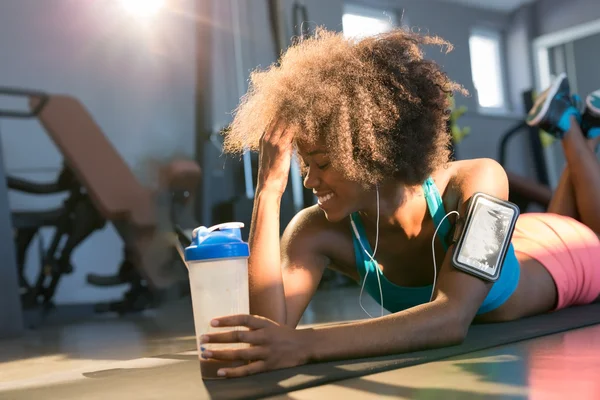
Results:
217 242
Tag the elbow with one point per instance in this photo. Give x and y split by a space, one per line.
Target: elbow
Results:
456 334
456 327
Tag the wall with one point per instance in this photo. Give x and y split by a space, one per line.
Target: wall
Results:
136 78
586 58
552 17
555 15
519 56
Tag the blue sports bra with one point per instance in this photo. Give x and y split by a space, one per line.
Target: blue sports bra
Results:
397 298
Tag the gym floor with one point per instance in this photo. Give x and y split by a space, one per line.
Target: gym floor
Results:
555 366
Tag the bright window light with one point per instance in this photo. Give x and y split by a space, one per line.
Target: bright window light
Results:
358 21
143 8
486 67
360 26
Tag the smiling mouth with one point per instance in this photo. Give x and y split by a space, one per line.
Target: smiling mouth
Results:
326 198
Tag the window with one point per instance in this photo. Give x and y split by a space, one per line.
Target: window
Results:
359 21
486 67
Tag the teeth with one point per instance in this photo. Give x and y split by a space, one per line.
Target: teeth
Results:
323 199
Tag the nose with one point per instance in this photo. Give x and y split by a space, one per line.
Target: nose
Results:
311 180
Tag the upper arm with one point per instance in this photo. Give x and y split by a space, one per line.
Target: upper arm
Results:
302 262
485 175
465 293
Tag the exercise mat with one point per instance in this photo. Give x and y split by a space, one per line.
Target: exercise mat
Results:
178 375
479 337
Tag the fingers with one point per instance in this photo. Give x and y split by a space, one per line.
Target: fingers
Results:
273 131
245 354
250 369
287 136
250 321
279 134
252 337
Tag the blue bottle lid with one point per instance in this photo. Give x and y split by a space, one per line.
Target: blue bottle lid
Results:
217 242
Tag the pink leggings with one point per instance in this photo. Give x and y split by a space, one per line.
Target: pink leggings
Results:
568 249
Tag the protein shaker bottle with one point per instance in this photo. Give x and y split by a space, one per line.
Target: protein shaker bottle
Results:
217 260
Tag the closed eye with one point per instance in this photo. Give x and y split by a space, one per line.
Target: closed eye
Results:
323 166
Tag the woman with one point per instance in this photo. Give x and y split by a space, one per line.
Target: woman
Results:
368 119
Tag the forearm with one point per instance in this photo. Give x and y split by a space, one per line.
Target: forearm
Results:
423 327
267 297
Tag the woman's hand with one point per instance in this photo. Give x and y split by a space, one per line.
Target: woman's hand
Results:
272 346
274 159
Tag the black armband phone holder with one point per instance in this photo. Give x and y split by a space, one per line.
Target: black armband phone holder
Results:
483 236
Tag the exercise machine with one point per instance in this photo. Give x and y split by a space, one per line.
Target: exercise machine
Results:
99 187
525 191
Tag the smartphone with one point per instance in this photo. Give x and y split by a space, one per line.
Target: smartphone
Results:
485 236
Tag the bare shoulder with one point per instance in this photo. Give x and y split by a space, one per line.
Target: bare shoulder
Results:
307 225
310 235
467 177
478 171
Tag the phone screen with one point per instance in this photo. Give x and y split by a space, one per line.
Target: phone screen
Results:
486 236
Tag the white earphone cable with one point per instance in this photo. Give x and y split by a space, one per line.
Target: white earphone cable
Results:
372 257
433 251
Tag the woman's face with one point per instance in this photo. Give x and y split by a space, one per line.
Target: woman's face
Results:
337 196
